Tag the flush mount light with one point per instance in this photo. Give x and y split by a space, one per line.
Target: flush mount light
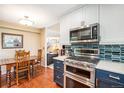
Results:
26 21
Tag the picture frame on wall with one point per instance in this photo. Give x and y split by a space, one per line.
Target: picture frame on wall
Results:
12 41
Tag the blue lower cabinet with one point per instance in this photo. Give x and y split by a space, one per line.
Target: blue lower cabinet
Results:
58 77
107 79
58 72
109 84
58 65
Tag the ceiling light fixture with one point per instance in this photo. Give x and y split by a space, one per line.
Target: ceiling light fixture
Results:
26 21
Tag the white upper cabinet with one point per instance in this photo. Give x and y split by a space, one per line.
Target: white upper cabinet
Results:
112 24
91 13
68 22
64 32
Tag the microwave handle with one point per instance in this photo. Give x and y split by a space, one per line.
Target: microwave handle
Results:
91 29
91 32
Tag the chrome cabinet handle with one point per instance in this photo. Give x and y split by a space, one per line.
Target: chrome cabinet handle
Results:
117 78
57 62
58 67
58 77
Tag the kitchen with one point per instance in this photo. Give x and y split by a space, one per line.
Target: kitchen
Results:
84 48
97 49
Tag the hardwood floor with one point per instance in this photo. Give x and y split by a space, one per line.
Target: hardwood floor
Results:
43 80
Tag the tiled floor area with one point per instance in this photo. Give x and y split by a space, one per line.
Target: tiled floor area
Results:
43 80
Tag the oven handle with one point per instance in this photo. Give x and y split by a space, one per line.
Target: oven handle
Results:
77 76
66 64
91 31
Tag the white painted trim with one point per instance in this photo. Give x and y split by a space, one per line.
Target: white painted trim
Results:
45 47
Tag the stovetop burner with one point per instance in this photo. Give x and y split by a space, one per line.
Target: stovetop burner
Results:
84 59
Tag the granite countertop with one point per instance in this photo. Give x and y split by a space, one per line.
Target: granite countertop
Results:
116 67
61 58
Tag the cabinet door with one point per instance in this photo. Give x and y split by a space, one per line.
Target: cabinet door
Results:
91 13
64 32
58 65
111 76
111 24
107 79
58 72
109 84
58 77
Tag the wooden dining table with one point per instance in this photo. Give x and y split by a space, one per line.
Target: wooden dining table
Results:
9 63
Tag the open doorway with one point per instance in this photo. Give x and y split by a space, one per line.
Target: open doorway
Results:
53 43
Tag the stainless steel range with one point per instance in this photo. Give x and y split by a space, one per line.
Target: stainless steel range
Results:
79 70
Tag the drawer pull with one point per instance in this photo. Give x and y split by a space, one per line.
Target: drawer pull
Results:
58 67
58 62
117 78
58 77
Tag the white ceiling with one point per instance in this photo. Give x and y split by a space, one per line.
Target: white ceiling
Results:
41 14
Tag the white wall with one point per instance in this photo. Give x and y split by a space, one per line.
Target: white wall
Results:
31 41
53 30
52 33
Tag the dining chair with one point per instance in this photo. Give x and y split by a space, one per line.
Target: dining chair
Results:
22 65
17 52
37 63
39 57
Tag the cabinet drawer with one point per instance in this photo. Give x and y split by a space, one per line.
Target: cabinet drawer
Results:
58 65
108 84
59 77
107 75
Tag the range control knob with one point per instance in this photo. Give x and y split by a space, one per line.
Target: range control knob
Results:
88 66
76 63
82 65
71 62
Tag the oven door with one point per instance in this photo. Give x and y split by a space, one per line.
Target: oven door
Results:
80 74
71 81
85 33
87 75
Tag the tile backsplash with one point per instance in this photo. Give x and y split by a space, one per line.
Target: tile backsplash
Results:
112 52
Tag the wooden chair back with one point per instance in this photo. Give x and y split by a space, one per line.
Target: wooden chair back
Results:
22 63
39 54
22 59
19 51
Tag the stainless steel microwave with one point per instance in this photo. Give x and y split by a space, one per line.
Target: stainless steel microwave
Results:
89 33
